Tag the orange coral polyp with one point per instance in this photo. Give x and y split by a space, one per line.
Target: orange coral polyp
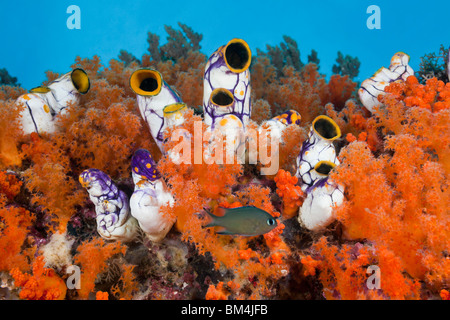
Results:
44 284
100 295
290 192
434 95
217 292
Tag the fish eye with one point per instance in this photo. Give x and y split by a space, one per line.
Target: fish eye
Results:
270 221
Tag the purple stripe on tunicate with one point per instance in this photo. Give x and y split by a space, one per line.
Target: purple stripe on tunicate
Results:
218 63
238 109
114 218
307 144
32 118
159 135
319 184
109 189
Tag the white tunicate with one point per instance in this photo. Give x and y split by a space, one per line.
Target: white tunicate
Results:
399 70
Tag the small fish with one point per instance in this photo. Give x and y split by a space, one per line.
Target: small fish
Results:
243 221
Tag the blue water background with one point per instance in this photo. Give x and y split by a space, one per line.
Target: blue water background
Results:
35 37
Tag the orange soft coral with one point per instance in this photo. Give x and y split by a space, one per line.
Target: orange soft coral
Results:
290 192
100 295
92 256
395 199
355 121
395 166
291 142
340 89
116 74
49 180
14 224
309 265
293 90
402 198
185 76
293 93
127 284
93 134
445 295
343 272
434 95
216 292
44 284
198 186
54 192
189 79
9 185
91 66
10 134
261 111
419 110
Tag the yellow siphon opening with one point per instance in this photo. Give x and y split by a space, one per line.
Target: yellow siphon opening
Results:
324 167
146 82
222 97
80 80
238 55
326 128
